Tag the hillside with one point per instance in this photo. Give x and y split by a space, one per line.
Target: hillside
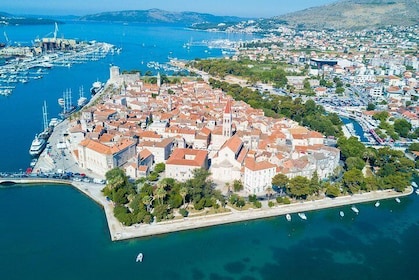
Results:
356 14
158 16
8 19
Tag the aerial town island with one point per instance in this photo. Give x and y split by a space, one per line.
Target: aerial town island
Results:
227 143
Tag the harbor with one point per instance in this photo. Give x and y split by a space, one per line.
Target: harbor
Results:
24 64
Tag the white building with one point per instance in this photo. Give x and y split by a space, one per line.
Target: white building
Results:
100 158
183 162
257 175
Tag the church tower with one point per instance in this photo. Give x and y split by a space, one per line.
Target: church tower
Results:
227 120
158 80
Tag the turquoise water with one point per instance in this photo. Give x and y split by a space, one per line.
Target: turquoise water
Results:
55 232
21 112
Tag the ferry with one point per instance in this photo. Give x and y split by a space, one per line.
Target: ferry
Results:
356 211
288 217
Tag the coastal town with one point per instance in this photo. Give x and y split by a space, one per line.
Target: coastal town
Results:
134 125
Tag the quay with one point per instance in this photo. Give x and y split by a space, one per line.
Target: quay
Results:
119 232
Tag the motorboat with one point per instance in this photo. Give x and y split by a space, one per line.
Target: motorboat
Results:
288 217
397 200
377 204
139 257
356 211
417 191
302 216
414 184
61 102
33 162
96 87
37 146
341 213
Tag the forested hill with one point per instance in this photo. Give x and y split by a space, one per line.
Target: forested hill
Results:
9 19
158 16
356 14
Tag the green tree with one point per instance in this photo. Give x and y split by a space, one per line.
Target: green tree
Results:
354 162
332 191
183 191
299 187
237 185
350 147
353 179
160 193
402 127
147 200
160 167
280 180
370 107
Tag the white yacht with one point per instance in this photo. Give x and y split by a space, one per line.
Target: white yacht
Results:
139 257
414 184
356 211
342 214
37 146
397 200
417 191
302 216
377 204
288 217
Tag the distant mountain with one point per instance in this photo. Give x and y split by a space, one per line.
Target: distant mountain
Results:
158 16
356 14
8 19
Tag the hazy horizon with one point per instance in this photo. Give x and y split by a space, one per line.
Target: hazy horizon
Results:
240 8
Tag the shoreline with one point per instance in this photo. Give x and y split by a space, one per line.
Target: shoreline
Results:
119 232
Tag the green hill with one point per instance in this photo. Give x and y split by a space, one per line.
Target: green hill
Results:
158 16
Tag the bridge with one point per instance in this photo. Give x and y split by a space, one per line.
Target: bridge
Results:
33 180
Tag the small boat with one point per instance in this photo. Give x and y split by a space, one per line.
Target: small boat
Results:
61 102
288 217
397 200
417 191
414 184
302 216
341 213
377 204
139 257
356 211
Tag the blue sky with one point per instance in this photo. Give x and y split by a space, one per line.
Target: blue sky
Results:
244 8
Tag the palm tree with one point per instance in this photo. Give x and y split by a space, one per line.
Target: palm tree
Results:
269 192
160 193
183 191
147 202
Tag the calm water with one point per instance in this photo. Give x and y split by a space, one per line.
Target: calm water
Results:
21 113
55 232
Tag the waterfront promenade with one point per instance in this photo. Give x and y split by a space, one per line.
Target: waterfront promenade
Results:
119 232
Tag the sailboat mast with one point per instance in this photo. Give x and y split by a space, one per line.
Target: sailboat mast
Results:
45 116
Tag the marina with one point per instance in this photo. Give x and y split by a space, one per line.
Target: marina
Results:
26 63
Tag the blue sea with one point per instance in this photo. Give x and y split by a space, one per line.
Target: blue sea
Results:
55 232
